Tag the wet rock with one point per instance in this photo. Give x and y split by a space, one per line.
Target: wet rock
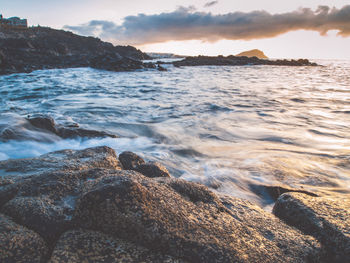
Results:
96 157
19 244
47 123
44 129
130 160
153 169
43 122
274 191
188 221
326 218
161 68
91 246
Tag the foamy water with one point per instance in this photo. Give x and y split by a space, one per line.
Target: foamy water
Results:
226 127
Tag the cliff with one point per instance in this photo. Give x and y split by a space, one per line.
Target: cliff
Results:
253 53
25 50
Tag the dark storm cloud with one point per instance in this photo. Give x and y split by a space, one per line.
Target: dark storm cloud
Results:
188 24
211 3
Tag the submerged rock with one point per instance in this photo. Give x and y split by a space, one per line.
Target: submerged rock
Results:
326 218
274 191
47 123
19 244
91 246
43 128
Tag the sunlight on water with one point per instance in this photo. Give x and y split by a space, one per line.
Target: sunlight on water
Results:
226 127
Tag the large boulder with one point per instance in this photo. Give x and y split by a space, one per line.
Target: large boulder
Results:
44 199
188 221
91 246
19 244
326 218
68 160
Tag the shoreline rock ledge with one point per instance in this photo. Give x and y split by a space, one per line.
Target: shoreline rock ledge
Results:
91 206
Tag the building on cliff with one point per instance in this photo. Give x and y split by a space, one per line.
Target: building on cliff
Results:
13 22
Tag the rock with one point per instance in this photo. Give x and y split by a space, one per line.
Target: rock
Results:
274 191
19 244
47 123
44 129
153 169
238 61
97 157
39 214
161 68
91 246
43 122
130 160
326 218
188 221
44 199
45 48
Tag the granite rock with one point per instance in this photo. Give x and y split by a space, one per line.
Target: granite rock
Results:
325 218
91 246
19 244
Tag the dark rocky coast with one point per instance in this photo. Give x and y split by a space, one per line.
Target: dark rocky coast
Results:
95 205
239 61
29 49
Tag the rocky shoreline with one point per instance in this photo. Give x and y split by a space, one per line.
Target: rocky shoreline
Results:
239 61
35 48
95 206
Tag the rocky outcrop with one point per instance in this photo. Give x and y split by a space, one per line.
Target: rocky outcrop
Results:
88 208
91 246
238 61
19 244
326 218
188 221
44 128
25 50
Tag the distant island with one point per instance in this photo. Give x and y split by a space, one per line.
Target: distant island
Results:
253 53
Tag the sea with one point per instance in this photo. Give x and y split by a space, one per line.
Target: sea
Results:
231 128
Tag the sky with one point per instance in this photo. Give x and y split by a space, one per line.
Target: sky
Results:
282 29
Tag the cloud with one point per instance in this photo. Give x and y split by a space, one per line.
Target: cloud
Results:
211 3
189 24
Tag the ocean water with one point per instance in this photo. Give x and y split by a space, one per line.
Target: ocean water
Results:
230 128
